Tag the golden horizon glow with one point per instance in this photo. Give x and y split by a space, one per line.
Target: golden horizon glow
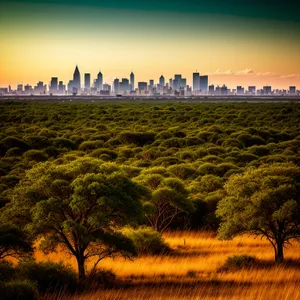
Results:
112 41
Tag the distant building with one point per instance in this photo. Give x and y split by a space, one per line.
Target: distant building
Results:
99 81
224 90
252 90
196 83
267 90
124 86
61 88
162 81
107 88
20 88
177 81
76 81
28 89
116 86
211 89
142 87
53 85
4 91
292 90
132 81
151 84
87 80
240 90
40 88
204 84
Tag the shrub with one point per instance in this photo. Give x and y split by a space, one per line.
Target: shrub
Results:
37 142
99 278
13 152
225 167
138 138
7 271
13 142
35 155
208 168
52 151
49 276
167 161
19 289
64 143
246 157
156 170
112 155
91 145
248 140
210 183
183 171
151 180
237 262
259 150
146 240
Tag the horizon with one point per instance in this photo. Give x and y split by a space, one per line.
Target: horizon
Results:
109 80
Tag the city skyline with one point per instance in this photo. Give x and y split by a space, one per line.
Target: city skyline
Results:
177 85
238 43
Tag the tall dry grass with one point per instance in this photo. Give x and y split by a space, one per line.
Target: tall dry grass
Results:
191 272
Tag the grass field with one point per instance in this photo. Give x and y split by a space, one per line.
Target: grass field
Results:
192 271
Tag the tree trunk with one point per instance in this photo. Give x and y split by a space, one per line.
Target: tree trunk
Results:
279 252
81 269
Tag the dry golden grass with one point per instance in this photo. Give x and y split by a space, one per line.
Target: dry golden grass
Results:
192 271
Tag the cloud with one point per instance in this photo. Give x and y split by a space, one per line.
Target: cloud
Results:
251 73
266 74
219 72
290 76
230 72
245 72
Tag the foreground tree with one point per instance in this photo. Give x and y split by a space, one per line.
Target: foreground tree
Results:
263 201
169 199
79 206
14 242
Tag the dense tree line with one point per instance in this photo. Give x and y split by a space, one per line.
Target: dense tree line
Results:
75 174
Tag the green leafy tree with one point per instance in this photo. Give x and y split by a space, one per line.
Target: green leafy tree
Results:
263 201
169 199
79 206
14 242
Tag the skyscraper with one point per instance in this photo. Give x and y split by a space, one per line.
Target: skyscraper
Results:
162 81
177 81
240 90
87 80
267 90
292 90
61 88
132 81
76 79
252 90
99 81
196 83
204 84
116 86
54 85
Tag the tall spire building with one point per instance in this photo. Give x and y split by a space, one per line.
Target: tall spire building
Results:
132 81
76 79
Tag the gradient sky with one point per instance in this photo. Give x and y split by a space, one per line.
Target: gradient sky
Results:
249 42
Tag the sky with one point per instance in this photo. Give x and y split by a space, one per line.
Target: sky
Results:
236 42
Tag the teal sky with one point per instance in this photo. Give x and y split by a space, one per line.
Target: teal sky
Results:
287 10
